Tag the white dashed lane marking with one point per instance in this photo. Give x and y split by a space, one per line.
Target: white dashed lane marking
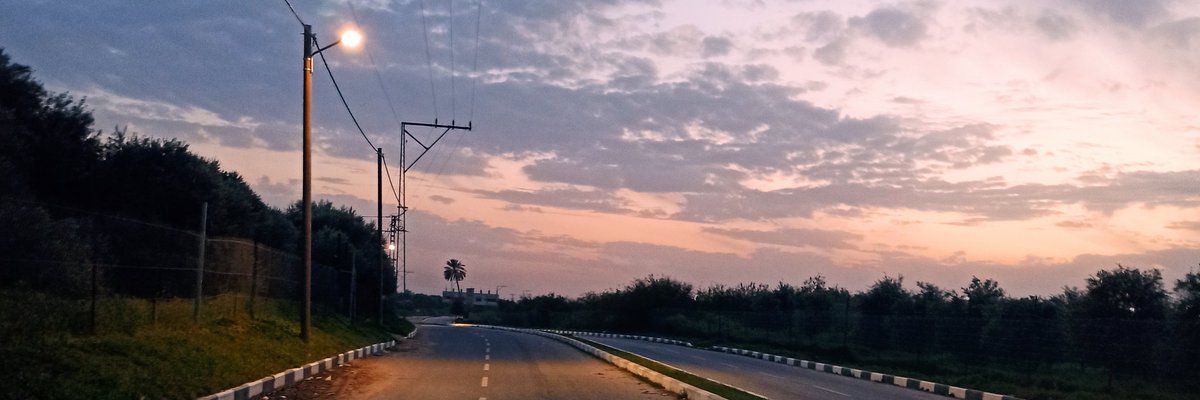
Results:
486 366
831 390
484 383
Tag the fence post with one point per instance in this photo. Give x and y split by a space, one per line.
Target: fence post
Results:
254 278
200 264
846 321
353 284
95 266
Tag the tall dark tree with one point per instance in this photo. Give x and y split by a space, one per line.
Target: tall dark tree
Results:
651 299
455 271
1026 332
1119 319
1187 323
887 297
981 296
342 239
49 146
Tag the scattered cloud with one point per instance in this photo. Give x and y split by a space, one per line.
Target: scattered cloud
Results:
441 199
715 46
815 238
790 114
892 26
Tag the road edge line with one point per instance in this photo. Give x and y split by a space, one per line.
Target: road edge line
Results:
623 336
670 384
684 370
904 382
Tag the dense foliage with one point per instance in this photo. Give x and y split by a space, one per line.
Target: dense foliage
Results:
72 197
1122 324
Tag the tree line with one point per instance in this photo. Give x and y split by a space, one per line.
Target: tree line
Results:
56 170
1124 321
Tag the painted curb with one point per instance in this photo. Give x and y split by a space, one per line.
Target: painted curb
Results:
917 384
620 336
287 378
412 334
670 384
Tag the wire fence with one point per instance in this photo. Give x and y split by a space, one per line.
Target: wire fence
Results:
87 272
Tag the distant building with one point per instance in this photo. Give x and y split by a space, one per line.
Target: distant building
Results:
470 296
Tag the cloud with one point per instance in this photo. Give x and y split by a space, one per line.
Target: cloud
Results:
892 26
1185 225
1074 224
1055 26
819 25
441 199
715 46
279 194
593 200
1182 34
832 53
614 101
816 238
572 267
1135 14
333 180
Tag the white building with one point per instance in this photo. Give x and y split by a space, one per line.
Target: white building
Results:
470 296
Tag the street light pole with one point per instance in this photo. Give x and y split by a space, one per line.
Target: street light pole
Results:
379 226
310 41
306 196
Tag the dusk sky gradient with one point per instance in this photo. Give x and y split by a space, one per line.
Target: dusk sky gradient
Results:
714 142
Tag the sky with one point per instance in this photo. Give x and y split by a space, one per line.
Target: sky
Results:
713 142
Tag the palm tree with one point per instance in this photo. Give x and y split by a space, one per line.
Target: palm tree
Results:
455 271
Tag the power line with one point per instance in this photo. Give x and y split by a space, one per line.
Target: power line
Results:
378 76
475 62
429 60
344 103
453 91
289 4
389 175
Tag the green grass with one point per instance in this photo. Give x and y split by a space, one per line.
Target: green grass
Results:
1061 381
717 388
132 356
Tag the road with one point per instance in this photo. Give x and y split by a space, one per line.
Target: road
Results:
775 381
453 362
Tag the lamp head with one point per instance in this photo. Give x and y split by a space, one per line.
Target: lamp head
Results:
351 38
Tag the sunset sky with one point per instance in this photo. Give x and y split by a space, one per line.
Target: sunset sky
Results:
1033 142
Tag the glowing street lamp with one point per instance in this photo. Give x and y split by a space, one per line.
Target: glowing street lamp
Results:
351 39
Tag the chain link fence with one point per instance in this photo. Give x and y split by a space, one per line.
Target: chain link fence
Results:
81 272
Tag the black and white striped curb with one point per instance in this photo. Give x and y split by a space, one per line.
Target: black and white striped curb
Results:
619 336
413 333
670 384
932 387
287 378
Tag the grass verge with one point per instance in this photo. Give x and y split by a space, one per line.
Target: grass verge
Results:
144 350
1058 381
720 389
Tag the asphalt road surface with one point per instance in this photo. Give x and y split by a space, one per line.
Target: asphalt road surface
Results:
455 362
775 381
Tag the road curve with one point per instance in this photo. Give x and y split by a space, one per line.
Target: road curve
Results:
773 380
455 362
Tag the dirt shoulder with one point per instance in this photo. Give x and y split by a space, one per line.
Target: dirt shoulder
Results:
348 381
